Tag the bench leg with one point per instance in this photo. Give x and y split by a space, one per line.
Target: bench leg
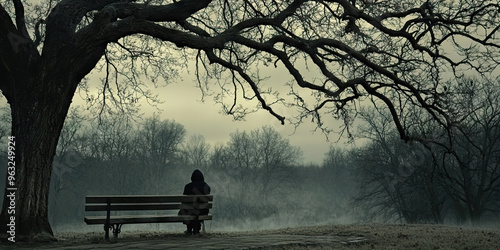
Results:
117 228
106 231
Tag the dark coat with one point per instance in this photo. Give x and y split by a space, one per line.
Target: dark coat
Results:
196 186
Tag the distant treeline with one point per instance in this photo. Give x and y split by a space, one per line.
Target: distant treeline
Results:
255 175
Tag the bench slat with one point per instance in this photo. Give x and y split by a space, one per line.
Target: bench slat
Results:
142 206
145 198
131 219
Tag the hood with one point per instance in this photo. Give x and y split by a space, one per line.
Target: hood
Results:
197 176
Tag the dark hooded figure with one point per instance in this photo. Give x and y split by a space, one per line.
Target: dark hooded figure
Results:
197 186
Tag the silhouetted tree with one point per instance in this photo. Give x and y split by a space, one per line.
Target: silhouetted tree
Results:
393 52
470 166
337 175
158 146
455 169
257 167
397 180
111 146
196 152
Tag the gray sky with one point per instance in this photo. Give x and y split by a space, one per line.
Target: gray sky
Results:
182 104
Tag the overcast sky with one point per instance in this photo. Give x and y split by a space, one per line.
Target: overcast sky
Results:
182 103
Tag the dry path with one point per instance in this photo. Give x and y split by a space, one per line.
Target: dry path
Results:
218 242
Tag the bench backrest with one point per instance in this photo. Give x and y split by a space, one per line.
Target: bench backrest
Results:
146 202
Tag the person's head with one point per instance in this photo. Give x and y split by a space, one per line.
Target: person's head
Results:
197 176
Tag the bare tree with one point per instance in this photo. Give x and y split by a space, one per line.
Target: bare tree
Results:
159 140
398 181
461 168
394 52
337 169
470 163
157 146
275 155
111 139
255 170
196 152
110 143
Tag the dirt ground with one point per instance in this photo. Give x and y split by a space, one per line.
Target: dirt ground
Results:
382 236
364 236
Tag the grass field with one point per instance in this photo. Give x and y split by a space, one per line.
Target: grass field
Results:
375 236
383 236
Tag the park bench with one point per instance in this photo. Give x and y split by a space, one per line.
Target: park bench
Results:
134 209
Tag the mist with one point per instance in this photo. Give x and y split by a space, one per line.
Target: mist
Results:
257 177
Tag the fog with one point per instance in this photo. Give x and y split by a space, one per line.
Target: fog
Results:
271 188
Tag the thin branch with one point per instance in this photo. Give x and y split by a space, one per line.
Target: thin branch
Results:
38 36
20 21
213 58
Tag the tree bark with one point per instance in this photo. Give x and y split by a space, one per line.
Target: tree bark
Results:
39 90
38 113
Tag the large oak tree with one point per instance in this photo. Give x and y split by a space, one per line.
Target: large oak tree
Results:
396 53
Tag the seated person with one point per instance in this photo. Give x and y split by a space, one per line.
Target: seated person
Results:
197 186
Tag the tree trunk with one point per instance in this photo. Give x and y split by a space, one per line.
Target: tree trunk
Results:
39 108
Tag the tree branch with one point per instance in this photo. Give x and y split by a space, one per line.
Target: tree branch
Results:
378 67
215 59
6 28
20 21
90 41
176 11
38 36
63 19
16 53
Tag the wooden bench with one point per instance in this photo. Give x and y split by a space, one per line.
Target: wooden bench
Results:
113 205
